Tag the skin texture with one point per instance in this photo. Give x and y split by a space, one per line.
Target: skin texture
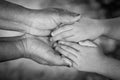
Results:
35 48
33 24
85 29
88 29
84 57
36 22
89 59
38 49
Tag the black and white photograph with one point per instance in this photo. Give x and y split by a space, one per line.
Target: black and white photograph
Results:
59 39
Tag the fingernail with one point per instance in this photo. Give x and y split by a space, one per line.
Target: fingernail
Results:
75 14
55 44
87 43
61 42
52 34
67 61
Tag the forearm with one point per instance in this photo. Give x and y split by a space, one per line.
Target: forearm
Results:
12 14
12 26
10 51
110 68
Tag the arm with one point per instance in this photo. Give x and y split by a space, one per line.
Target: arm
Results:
107 27
10 51
90 59
37 49
88 28
29 19
111 26
110 68
12 15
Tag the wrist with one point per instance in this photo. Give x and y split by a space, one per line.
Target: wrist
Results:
101 27
13 14
95 26
104 28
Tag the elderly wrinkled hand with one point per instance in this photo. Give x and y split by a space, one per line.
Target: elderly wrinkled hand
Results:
41 22
41 51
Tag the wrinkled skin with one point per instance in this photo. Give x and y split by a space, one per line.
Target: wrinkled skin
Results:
40 22
40 50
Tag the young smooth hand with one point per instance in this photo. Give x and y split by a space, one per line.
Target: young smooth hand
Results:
85 29
84 58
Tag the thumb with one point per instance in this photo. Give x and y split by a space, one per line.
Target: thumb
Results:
68 17
57 60
38 32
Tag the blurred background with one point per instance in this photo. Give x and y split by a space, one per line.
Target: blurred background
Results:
24 69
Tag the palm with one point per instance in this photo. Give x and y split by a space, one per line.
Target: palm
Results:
41 22
41 52
51 18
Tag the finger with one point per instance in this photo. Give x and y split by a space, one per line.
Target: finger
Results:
70 50
61 29
56 60
66 53
39 32
88 43
73 45
68 61
62 36
71 39
53 62
68 17
40 61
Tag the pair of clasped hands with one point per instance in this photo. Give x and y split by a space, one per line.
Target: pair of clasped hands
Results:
51 37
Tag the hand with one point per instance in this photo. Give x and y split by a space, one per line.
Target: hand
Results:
40 51
36 22
84 58
85 29
47 19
